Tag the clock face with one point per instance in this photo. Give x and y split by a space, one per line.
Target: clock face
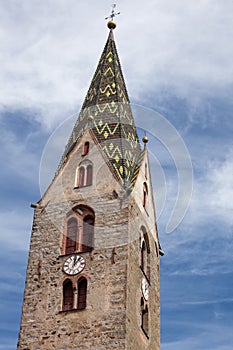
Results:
74 264
145 288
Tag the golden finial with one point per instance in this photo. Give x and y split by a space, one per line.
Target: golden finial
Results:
145 139
111 24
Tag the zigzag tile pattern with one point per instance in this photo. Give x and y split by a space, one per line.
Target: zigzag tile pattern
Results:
106 110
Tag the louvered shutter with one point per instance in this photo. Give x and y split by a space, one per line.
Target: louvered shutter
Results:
81 175
88 233
82 293
68 296
89 175
71 239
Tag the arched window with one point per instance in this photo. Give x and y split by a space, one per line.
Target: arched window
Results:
89 175
81 176
68 296
142 308
85 148
84 174
82 293
87 234
146 170
145 194
145 253
79 234
145 320
156 249
71 236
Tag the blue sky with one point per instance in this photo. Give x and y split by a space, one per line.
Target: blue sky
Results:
177 61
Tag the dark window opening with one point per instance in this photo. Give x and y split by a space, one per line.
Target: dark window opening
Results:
82 293
89 175
68 296
85 148
145 194
87 235
71 236
81 175
145 253
145 320
146 170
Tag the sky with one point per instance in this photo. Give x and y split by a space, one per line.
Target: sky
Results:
176 57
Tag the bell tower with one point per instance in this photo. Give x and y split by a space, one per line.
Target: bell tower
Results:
93 278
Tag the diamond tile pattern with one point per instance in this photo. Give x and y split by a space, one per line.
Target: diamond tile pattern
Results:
106 110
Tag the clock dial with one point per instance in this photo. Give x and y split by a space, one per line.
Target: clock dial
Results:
74 264
145 288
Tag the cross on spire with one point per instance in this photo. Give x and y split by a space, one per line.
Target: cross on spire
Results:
113 14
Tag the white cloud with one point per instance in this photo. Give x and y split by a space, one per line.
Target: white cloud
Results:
222 186
50 50
209 302
214 191
207 228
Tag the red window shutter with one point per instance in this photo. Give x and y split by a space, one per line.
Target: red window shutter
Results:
81 175
88 234
82 293
144 199
143 256
68 296
89 175
85 148
71 238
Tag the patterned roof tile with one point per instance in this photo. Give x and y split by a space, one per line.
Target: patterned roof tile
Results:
112 123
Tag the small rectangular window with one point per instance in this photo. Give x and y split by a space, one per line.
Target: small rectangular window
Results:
85 148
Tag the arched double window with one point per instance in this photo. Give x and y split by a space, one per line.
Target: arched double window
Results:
145 253
79 235
71 300
84 174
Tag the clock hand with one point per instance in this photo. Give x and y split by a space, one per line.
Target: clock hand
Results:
74 261
79 258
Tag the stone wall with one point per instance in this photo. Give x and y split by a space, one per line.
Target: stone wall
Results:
111 319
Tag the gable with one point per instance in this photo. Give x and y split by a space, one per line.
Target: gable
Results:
65 186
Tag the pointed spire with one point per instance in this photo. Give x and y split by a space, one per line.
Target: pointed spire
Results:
107 112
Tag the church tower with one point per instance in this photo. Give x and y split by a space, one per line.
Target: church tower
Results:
93 277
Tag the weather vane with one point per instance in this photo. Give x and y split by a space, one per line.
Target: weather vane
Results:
113 14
